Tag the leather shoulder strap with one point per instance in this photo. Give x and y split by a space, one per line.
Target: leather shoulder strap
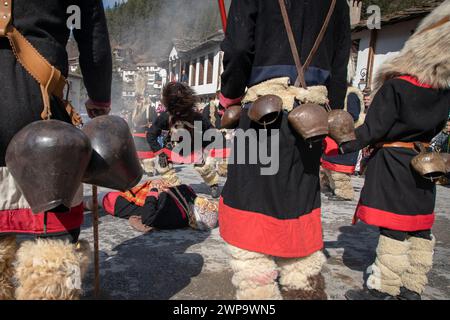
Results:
5 16
298 63
50 79
301 69
321 35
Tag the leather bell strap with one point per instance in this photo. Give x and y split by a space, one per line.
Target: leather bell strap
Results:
50 79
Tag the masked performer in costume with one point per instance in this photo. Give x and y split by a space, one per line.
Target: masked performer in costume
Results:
411 105
180 101
272 223
50 267
337 170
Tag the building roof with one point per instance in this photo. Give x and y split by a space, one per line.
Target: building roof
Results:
146 64
401 16
184 45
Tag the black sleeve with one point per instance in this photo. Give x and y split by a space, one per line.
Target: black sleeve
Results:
354 106
337 86
382 115
239 47
155 130
206 113
95 50
150 209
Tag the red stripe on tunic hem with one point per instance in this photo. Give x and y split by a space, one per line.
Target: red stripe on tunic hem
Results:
293 238
338 167
393 221
23 221
145 155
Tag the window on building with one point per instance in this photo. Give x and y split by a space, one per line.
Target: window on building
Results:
209 79
201 79
193 72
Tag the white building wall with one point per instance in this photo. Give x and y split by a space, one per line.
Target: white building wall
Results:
390 41
211 88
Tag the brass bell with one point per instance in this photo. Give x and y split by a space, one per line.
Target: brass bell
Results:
310 121
47 160
430 165
446 158
341 126
231 116
266 109
114 163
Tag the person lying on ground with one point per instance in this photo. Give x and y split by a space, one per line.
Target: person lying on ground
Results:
155 205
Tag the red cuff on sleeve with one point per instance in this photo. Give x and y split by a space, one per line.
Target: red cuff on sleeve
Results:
226 102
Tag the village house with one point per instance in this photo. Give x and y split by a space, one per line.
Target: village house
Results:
371 47
198 64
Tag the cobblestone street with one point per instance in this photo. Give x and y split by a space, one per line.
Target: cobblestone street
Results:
188 264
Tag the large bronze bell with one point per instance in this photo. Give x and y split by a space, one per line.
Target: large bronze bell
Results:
230 119
114 163
446 158
430 165
266 109
341 126
310 121
47 160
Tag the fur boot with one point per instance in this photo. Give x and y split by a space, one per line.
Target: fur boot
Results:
208 174
149 166
301 278
324 183
391 262
341 184
8 248
51 269
254 276
168 175
421 261
222 168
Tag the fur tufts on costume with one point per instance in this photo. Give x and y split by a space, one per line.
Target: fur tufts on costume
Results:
51 269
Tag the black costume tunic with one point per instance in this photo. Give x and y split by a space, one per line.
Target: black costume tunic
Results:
43 23
279 215
161 210
395 196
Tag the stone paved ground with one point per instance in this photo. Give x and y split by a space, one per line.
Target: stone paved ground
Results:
188 264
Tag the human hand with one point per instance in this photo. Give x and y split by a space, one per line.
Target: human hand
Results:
96 109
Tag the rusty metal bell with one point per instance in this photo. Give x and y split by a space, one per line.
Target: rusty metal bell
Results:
47 160
266 109
310 121
341 126
114 163
230 118
430 165
446 158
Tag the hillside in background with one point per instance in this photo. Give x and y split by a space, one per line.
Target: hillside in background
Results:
149 26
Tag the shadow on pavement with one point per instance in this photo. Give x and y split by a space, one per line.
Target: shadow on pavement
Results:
153 266
359 243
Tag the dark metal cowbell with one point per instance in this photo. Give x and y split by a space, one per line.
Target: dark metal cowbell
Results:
310 121
114 162
47 160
